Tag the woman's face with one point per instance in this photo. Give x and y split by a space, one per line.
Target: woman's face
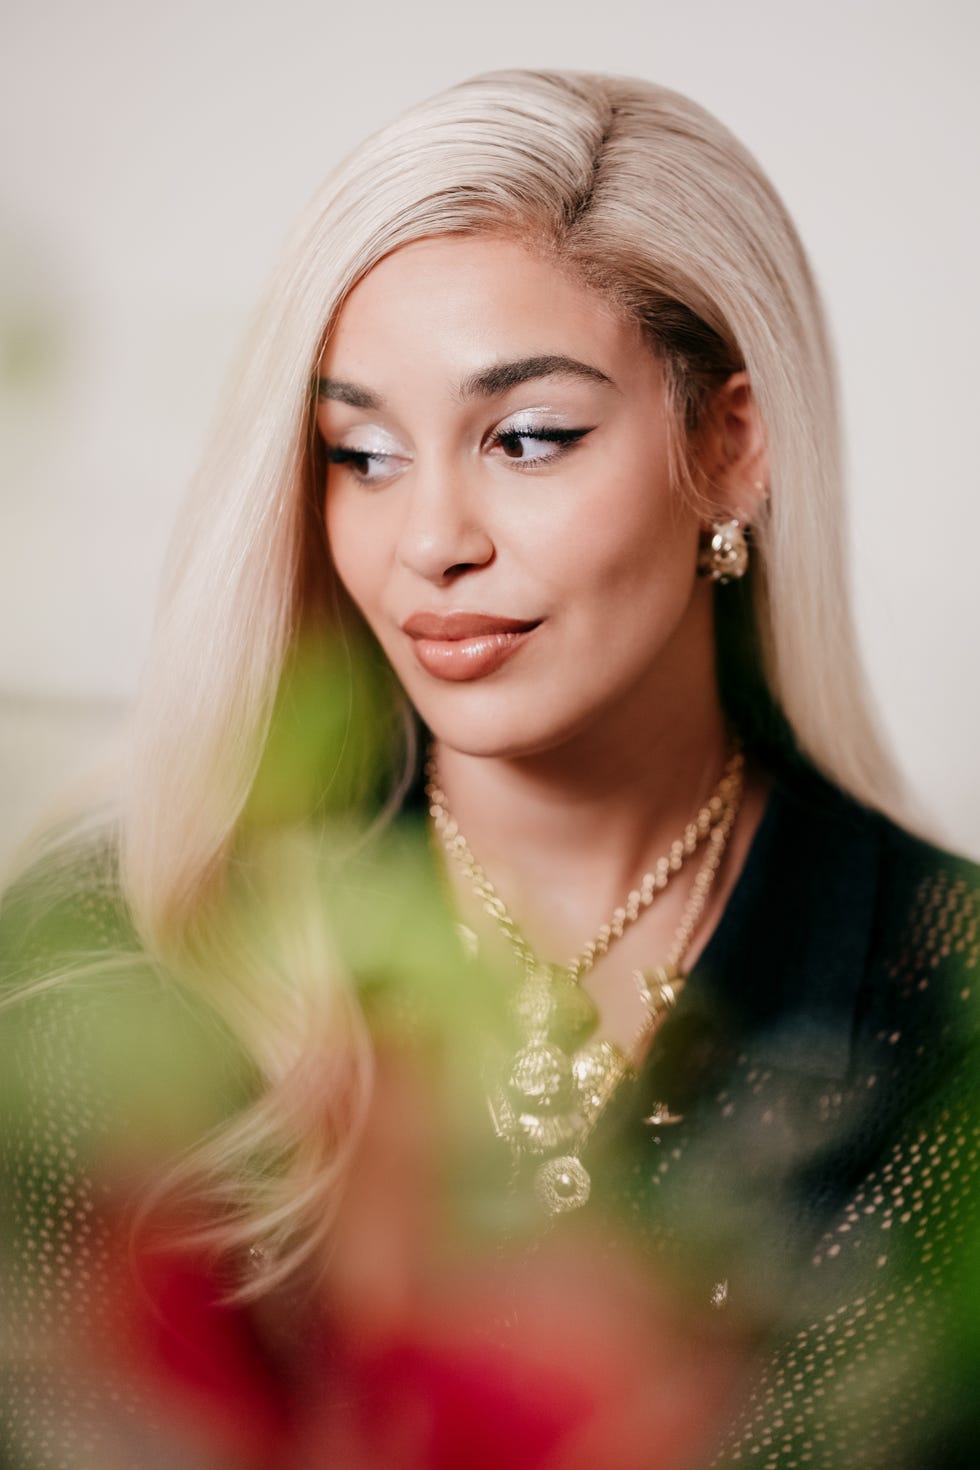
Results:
498 498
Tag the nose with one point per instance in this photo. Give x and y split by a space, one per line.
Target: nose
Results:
443 534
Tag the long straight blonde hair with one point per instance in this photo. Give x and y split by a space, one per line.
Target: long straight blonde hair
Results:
650 200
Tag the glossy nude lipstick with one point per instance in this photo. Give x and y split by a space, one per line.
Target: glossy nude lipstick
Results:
460 646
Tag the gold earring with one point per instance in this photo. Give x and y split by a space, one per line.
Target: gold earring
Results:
724 554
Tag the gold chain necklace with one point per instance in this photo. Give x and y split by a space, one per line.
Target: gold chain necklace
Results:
559 1082
637 900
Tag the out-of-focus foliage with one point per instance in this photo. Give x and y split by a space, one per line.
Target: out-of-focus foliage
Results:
443 1319
336 738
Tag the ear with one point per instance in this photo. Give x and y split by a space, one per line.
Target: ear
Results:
735 451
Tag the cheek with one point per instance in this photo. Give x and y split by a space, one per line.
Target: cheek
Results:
634 537
354 551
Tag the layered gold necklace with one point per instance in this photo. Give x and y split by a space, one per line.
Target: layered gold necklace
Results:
548 1098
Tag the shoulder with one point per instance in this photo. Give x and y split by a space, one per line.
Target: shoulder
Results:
905 911
900 877
66 904
912 889
929 897
804 796
844 931
107 1051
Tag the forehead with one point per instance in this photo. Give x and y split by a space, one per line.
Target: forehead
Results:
471 299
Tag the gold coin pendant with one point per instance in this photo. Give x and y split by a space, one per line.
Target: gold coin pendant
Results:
562 1184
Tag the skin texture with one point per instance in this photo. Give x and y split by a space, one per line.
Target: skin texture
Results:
573 762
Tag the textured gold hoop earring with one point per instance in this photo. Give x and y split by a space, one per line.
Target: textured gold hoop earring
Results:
724 554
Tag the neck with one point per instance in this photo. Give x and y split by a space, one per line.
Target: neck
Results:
565 832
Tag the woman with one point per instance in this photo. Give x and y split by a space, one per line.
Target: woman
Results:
541 406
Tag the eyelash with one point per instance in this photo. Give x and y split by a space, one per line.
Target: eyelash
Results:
563 439
348 458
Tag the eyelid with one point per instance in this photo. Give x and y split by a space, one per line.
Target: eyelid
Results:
367 439
538 417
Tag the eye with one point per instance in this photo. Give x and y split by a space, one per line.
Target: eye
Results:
369 466
529 444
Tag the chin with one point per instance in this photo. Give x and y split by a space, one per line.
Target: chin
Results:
492 730
491 747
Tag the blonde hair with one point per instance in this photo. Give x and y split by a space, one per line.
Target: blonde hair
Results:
652 201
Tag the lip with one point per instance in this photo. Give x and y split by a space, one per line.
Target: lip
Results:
460 646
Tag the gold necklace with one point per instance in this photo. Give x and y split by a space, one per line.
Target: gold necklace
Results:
638 899
559 1082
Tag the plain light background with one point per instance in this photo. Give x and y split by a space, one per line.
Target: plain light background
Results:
155 157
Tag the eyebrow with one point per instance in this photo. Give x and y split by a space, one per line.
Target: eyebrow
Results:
503 375
343 392
487 383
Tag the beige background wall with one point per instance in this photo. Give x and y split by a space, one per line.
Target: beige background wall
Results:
154 156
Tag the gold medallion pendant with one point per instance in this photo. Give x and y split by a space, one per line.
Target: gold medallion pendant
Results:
559 1081
562 1184
548 1097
